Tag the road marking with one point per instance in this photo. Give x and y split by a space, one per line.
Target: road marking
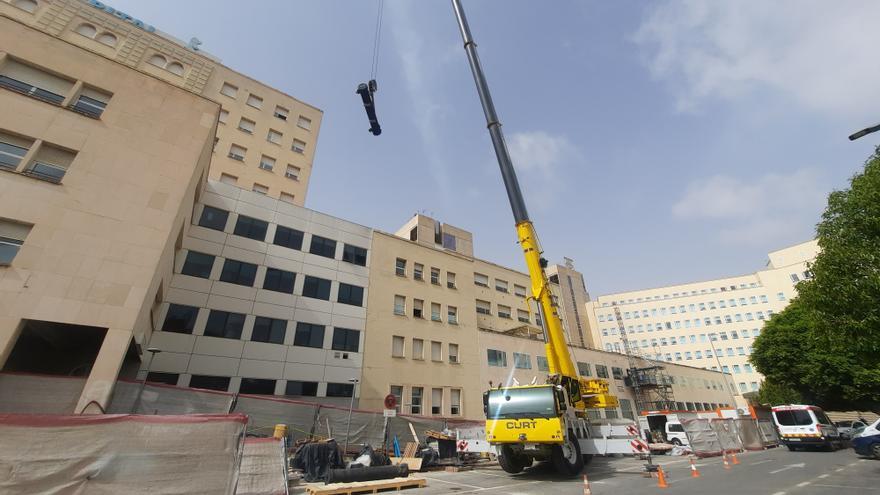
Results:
821 476
482 471
839 469
779 493
502 486
790 466
849 486
761 462
803 483
455 483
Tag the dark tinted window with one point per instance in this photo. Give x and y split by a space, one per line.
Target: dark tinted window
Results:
354 254
617 373
601 371
257 386
166 378
345 339
309 335
323 246
213 218
180 319
351 294
279 280
210 382
676 428
295 387
317 288
287 237
251 228
340 389
198 264
797 417
238 272
225 325
269 330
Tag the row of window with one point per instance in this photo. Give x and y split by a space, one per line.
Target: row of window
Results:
688 356
500 285
416 404
256 102
417 348
684 339
255 386
485 308
419 273
523 361
697 323
703 306
34 158
248 126
227 325
21 77
256 187
753 386
252 228
419 308
711 290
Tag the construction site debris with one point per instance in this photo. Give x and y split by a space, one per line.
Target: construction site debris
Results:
367 474
366 486
315 459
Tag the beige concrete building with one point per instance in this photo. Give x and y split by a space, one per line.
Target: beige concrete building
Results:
709 324
266 139
571 292
99 166
454 324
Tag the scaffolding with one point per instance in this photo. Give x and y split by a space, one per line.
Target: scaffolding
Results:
652 387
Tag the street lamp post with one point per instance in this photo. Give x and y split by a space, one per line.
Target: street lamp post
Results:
354 382
864 132
153 351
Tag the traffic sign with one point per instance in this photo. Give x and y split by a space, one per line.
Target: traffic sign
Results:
390 401
390 413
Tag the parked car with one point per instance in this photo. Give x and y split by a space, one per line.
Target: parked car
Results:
867 442
847 428
802 426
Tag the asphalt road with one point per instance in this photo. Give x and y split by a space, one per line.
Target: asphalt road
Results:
771 472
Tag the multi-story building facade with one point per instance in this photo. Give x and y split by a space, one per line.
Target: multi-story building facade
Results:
709 324
571 292
266 139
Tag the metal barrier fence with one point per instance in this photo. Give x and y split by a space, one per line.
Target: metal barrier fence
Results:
712 436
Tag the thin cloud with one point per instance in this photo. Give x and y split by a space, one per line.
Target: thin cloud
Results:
540 158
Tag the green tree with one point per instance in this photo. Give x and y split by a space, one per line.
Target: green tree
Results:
775 394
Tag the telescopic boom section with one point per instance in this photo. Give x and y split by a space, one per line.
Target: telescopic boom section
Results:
558 358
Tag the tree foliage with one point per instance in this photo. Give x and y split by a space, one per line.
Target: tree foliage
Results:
774 394
826 344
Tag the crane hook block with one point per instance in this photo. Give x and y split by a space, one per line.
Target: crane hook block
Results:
366 91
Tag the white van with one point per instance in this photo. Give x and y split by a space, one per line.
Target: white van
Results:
805 426
675 433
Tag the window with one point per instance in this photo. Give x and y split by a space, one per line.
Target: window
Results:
34 82
435 312
418 349
90 102
484 307
794 278
237 152
304 122
286 197
340 389
155 59
238 272
229 90
213 218
415 403
522 361
400 267
257 386
435 276
497 358
280 112
197 264
397 346
354 254
323 246
175 68
601 371
267 163
180 319
316 288
418 308
292 172
436 351
350 294
436 401
523 316
450 280
543 365
246 125
269 330
345 339
166 378
254 101
12 236
452 315
206 382
519 290
224 324
501 285
584 369
453 353
448 241
279 280
300 388
400 305
251 228
617 373
228 179
418 271
309 335
224 115
298 146
455 402
481 280
287 237
12 150
50 163
503 311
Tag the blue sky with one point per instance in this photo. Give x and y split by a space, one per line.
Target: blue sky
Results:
656 142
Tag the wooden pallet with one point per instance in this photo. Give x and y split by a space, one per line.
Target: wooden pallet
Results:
377 486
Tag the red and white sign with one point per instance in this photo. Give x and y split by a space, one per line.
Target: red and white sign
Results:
632 430
462 445
638 445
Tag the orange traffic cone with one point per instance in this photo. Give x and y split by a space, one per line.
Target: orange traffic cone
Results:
587 490
733 456
661 478
724 457
694 472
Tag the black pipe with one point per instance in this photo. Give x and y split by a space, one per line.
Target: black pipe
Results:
367 473
366 91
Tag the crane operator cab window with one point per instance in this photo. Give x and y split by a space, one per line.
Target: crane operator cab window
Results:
518 403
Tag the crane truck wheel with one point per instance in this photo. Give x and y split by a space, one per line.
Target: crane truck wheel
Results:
510 461
567 458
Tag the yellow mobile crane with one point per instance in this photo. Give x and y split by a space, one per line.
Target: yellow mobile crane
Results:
546 421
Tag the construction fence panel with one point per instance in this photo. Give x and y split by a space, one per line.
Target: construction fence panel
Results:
120 453
702 438
769 435
263 468
727 435
158 398
366 427
22 393
749 436
266 412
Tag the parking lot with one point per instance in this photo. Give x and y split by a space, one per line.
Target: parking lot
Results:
771 472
